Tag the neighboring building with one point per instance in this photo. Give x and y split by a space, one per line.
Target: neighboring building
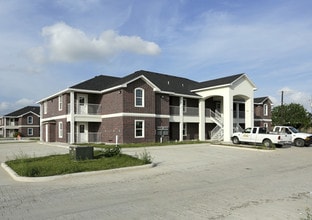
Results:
25 121
262 113
146 107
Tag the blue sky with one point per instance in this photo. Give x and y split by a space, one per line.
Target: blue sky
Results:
47 46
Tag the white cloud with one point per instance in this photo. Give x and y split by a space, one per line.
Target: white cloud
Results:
8 107
68 44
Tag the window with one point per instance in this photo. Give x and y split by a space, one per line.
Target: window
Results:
139 128
60 103
30 120
184 105
30 132
139 97
265 110
60 129
184 129
45 107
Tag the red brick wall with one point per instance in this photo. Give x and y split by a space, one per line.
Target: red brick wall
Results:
112 102
149 98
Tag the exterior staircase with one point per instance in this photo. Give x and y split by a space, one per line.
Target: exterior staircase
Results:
217 134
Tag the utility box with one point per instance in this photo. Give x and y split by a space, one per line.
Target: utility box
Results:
81 152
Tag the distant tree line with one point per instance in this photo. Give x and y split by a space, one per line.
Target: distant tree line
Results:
292 114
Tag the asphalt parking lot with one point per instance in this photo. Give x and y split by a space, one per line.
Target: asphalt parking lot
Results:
199 181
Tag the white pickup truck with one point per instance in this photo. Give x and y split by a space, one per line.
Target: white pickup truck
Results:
260 135
299 139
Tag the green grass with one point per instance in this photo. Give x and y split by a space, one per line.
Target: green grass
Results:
151 144
62 164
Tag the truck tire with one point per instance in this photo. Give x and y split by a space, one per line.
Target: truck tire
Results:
235 140
299 142
267 143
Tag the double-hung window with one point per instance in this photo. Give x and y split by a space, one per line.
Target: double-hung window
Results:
30 131
45 107
139 129
60 129
139 97
30 120
60 103
265 110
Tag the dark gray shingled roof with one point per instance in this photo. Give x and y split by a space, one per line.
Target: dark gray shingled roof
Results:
22 111
166 83
218 82
98 83
260 100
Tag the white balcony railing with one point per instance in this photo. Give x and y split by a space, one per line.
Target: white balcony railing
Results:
187 111
90 137
86 109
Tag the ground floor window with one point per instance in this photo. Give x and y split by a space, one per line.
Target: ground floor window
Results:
184 129
30 131
60 129
139 128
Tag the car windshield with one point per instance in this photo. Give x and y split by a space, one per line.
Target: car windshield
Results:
293 129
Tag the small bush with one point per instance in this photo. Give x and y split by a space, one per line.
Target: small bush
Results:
111 151
145 157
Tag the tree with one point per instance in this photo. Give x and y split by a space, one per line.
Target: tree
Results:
291 114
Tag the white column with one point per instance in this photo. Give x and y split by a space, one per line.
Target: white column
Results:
4 127
202 120
228 116
72 118
249 112
181 120
40 119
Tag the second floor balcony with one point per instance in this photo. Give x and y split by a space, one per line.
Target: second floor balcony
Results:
86 109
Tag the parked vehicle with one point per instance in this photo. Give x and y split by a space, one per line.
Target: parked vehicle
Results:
260 135
299 139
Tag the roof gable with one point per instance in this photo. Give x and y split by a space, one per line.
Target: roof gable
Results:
218 82
261 100
25 110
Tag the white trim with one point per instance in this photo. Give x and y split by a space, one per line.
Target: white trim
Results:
60 129
32 120
32 132
129 114
143 129
142 98
60 102
53 118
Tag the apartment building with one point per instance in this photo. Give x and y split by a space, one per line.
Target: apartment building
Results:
147 107
24 121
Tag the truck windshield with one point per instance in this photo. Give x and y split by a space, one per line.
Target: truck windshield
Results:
293 129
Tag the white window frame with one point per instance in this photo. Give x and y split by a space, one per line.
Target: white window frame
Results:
60 129
136 129
30 120
141 98
265 110
60 103
45 107
30 131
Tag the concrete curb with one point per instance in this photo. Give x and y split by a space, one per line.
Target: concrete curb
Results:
16 177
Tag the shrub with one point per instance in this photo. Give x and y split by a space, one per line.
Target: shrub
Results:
111 151
145 157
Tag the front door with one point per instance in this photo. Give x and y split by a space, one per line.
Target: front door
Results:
82 104
82 128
